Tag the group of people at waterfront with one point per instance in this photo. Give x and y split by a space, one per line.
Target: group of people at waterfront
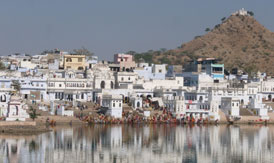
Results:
135 118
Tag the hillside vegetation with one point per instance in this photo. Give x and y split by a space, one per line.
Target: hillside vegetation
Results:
238 42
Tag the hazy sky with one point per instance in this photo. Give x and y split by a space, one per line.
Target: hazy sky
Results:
107 27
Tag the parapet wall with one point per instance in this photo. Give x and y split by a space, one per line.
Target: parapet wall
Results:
17 123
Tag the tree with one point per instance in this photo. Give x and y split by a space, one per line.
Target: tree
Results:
83 51
223 19
48 52
250 13
33 146
251 70
33 115
147 57
207 29
131 52
16 85
165 60
2 66
150 51
163 50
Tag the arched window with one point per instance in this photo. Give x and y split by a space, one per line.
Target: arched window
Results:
111 85
138 104
201 98
16 107
103 84
269 97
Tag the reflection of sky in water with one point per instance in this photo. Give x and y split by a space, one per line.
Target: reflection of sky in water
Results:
154 143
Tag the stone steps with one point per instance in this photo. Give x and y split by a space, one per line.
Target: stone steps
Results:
245 112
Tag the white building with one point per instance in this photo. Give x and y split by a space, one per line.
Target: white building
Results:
258 107
4 98
125 79
170 83
267 88
231 106
137 102
62 112
103 78
69 86
114 103
16 109
151 72
242 12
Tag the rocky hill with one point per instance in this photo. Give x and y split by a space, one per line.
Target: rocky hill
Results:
238 42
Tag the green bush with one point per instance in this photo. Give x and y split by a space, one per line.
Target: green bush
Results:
244 49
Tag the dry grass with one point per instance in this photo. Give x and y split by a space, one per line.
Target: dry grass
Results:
240 42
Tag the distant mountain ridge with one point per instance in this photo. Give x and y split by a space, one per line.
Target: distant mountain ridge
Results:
238 42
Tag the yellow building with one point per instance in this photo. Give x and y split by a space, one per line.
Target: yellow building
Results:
74 62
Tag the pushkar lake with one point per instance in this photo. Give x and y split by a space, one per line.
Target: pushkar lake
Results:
143 143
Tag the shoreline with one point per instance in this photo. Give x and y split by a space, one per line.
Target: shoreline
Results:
43 128
40 125
23 130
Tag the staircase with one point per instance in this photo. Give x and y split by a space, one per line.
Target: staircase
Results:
38 111
245 112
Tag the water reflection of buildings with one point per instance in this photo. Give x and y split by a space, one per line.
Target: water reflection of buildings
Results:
166 143
11 147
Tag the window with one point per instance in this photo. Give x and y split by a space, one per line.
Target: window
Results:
103 84
111 85
122 79
113 104
80 59
68 60
217 69
160 71
60 85
120 104
138 104
3 98
68 67
128 78
16 107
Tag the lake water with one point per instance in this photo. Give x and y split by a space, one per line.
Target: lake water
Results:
138 143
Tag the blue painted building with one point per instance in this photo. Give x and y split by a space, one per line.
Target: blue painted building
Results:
208 66
150 72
